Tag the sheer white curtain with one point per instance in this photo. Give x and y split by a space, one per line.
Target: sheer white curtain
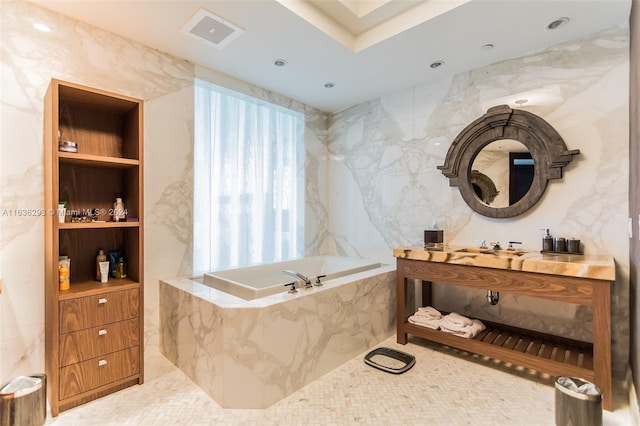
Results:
248 180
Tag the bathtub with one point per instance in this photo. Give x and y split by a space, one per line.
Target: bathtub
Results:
255 282
248 343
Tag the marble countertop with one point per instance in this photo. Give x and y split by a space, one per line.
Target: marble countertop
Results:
601 267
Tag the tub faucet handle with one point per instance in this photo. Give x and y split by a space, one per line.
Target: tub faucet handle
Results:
318 282
293 287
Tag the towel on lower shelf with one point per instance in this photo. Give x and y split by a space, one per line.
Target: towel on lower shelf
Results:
424 321
457 319
429 312
468 331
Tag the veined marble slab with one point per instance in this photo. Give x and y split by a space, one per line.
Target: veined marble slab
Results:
600 267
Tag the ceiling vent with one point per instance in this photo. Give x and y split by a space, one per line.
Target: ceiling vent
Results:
205 26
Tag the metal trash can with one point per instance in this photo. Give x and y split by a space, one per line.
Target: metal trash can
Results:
23 401
578 403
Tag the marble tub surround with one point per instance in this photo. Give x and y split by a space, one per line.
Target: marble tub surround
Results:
601 267
250 354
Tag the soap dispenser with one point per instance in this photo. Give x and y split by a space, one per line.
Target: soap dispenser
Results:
547 242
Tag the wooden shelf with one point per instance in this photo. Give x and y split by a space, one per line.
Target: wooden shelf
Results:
89 288
98 225
108 130
538 351
96 160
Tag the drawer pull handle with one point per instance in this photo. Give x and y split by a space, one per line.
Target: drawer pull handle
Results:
102 332
102 300
102 362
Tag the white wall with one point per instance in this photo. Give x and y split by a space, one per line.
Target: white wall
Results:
387 189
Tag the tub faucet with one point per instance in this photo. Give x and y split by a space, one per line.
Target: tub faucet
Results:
298 275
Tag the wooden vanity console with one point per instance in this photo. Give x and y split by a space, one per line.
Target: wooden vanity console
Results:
563 278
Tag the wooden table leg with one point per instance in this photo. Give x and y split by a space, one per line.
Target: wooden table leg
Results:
602 342
401 296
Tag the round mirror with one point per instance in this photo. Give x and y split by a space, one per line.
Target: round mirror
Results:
502 173
503 160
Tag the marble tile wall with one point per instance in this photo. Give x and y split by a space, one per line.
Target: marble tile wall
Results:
84 54
386 152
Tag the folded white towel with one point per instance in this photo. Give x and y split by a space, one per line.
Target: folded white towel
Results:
458 319
467 331
428 311
425 321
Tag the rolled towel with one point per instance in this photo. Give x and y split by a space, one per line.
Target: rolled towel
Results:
457 319
428 311
467 331
425 321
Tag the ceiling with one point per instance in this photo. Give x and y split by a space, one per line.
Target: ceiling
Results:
366 48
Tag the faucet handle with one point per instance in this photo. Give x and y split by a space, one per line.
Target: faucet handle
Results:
318 283
483 243
293 287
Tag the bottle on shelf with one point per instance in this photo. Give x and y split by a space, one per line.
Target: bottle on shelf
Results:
64 272
547 241
100 258
121 268
119 212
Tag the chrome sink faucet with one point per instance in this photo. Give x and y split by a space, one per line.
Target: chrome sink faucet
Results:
496 246
304 279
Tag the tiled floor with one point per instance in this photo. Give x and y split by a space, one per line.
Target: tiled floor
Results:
445 387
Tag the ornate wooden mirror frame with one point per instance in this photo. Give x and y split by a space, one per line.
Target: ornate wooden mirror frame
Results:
547 148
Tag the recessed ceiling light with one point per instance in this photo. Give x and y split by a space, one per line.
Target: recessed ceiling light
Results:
41 27
437 64
487 46
329 85
561 22
279 62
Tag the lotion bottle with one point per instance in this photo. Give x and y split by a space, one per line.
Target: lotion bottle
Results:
100 258
547 242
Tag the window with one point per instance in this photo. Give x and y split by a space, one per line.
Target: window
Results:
248 180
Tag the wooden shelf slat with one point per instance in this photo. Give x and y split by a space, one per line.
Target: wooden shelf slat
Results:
501 339
88 288
98 225
96 160
523 344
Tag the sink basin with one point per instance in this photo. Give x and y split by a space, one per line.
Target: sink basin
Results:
491 252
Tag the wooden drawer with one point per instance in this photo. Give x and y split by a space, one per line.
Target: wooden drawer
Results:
92 311
90 343
91 374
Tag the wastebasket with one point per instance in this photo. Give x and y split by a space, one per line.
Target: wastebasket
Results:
578 403
23 401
